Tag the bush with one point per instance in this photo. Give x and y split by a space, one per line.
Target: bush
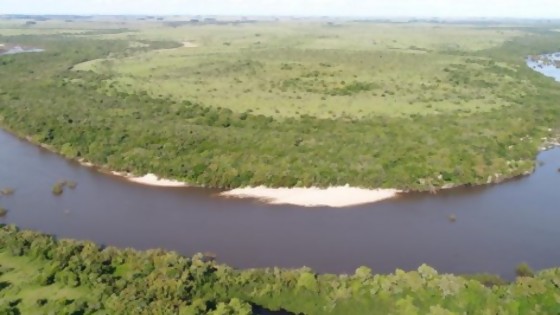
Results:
523 270
42 302
488 280
58 189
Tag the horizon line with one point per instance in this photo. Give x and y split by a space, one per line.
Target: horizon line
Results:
286 15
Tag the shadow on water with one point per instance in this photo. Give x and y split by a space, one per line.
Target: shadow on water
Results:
496 227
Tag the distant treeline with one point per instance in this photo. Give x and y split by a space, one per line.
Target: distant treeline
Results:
207 21
45 17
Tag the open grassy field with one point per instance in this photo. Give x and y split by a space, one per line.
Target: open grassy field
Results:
327 70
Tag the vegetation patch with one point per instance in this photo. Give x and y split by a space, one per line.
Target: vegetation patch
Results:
251 115
58 189
41 275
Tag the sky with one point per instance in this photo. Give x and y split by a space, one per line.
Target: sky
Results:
369 8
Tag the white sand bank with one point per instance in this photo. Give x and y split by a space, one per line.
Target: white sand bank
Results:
336 197
85 163
151 180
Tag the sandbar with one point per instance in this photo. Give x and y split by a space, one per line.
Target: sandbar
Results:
336 197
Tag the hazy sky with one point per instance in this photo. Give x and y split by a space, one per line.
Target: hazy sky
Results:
425 8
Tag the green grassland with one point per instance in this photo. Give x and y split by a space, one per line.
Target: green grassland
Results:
414 106
319 69
19 286
42 275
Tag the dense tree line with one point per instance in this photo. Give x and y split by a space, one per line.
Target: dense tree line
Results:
77 115
115 281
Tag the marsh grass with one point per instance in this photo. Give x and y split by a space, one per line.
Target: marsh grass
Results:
58 188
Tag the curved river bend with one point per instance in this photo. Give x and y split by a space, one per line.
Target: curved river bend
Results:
497 226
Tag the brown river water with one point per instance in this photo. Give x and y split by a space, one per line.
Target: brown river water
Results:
497 227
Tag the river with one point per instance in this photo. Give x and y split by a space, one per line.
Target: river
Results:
497 227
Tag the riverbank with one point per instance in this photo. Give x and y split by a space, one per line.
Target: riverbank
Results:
335 197
236 290
111 210
150 180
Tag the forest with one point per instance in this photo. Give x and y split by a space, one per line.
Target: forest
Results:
41 274
87 115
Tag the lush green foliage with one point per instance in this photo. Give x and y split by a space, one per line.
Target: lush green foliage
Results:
58 187
523 270
39 274
5 193
82 116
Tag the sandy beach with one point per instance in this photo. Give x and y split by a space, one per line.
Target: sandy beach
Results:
86 163
336 197
151 180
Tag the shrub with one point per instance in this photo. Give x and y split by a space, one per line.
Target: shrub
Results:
58 189
42 302
523 270
488 280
